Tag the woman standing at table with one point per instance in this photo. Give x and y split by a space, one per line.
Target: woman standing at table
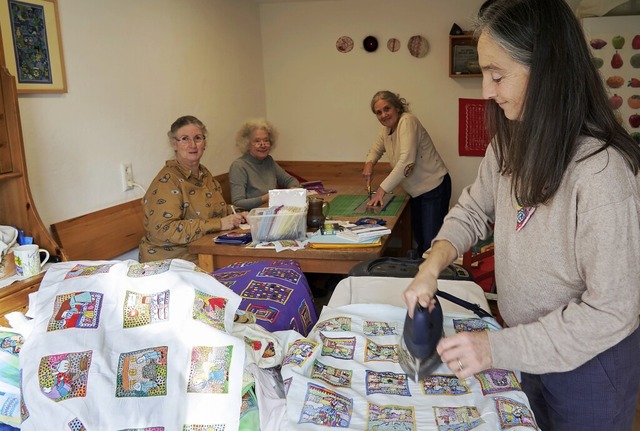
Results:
560 181
184 202
416 165
255 173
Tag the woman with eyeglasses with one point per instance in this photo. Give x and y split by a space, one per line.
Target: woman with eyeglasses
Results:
184 201
252 175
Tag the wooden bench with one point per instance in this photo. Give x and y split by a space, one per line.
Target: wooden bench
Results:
223 179
336 172
102 234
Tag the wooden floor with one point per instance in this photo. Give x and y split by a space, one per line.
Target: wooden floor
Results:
636 422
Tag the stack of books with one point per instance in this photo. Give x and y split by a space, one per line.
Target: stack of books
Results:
365 232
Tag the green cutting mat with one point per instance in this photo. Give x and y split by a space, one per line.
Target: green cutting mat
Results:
346 206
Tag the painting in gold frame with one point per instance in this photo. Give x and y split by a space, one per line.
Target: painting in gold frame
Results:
31 45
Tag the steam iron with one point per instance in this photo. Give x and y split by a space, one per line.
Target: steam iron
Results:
417 354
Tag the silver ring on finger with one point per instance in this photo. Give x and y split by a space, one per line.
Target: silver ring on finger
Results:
460 366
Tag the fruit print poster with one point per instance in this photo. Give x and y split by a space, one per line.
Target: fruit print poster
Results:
615 45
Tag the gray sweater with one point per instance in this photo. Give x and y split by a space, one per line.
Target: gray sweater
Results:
250 178
568 282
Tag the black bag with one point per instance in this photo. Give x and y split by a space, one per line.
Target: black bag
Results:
404 268
408 268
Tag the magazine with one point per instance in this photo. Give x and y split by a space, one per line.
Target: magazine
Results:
234 238
280 245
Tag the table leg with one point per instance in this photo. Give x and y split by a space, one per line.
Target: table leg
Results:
205 262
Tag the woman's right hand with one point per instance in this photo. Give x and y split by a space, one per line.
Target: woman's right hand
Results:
231 221
367 171
424 286
422 290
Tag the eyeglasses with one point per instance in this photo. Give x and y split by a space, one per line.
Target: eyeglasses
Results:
265 141
198 139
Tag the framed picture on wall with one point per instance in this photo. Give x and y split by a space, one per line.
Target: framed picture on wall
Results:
31 45
472 136
462 54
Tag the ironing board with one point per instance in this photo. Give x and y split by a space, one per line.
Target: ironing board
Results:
388 290
344 374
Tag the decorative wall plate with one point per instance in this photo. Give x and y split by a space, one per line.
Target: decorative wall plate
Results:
344 44
393 44
370 43
418 46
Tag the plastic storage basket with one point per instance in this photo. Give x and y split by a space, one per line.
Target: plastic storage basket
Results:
277 223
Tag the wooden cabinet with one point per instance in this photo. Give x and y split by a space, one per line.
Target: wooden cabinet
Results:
15 297
462 49
6 163
16 204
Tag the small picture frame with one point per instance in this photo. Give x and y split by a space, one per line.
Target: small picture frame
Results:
462 54
36 61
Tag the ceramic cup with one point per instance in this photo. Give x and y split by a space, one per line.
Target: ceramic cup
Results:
27 259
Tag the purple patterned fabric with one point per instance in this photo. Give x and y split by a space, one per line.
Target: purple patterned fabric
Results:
275 291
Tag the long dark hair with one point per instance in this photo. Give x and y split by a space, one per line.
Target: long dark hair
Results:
565 97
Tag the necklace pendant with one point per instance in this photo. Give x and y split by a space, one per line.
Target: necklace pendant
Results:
523 215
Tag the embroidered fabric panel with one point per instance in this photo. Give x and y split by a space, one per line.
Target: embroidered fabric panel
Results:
115 343
275 291
345 374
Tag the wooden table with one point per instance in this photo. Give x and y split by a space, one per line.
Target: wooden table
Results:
212 256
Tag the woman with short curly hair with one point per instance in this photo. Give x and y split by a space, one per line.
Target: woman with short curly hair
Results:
252 175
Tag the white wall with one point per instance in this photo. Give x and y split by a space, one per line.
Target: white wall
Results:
320 97
133 67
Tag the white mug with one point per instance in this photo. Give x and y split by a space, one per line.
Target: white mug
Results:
27 258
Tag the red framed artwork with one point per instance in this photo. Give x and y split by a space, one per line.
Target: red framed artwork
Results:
472 136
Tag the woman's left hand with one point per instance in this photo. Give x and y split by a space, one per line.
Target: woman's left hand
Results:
377 199
466 353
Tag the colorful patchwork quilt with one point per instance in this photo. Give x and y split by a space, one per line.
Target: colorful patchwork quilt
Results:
159 346
127 346
345 374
